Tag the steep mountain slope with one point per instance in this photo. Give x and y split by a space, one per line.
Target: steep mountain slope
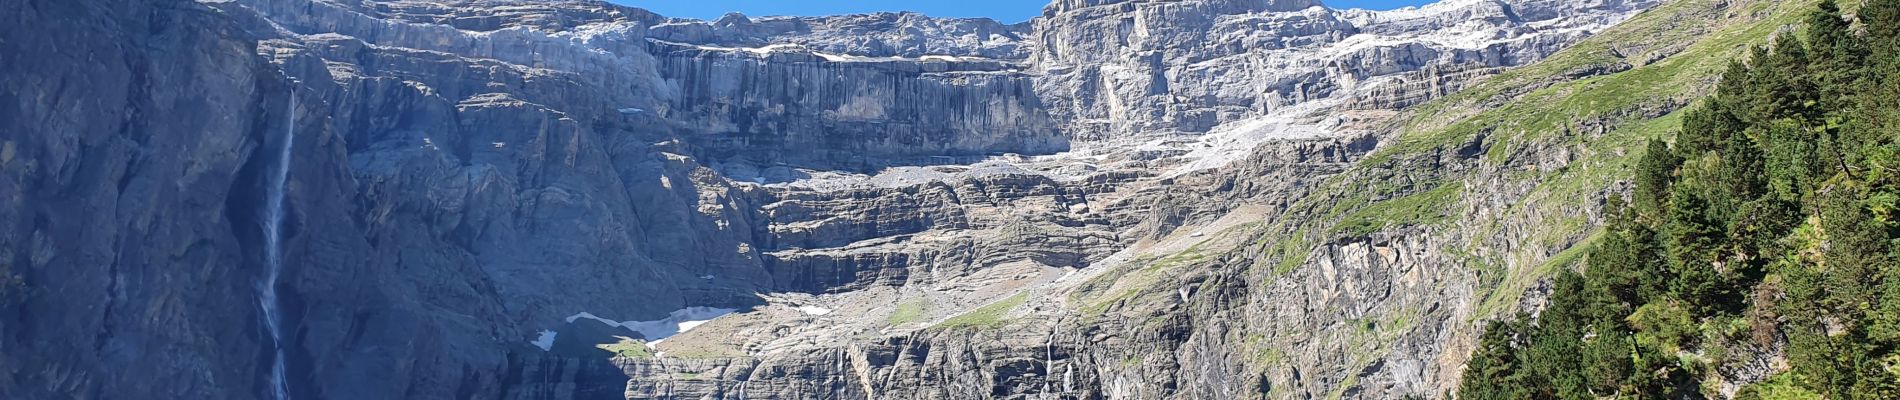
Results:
1479 196
570 199
1754 256
1373 284
127 132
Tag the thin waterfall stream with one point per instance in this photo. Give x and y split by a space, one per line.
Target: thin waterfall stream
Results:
274 250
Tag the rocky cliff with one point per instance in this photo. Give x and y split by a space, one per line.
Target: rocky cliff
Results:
128 168
573 199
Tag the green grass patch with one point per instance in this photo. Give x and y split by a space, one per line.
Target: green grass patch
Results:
1292 253
909 312
1132 361
1426 208
1128 282
989 316
1511 118
1350 381
1513 284
627 348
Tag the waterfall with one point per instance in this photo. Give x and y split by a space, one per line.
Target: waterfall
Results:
274 250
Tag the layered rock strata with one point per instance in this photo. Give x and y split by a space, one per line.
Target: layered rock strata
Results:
517 199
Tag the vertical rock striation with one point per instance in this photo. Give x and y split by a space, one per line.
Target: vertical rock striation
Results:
130 178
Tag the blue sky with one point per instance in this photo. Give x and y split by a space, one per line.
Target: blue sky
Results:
1002 10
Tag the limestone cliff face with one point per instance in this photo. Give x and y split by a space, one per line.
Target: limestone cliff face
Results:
872 206
871 35
1133 67
831 111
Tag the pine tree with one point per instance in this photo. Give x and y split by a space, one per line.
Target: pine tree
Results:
1866 140
1694 236
1706 129
1783 79
1882 18
1856 249
1626 268
1653 176
1555 362
1836 56
1607 357
1780 199
1755 240
1492 374
1793 164
1743 171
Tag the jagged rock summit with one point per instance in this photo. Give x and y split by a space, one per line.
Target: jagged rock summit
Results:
563 199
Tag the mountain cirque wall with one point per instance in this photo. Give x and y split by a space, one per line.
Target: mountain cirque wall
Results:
899 206
126 130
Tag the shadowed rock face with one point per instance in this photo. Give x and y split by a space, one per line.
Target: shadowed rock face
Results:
469 174
127 134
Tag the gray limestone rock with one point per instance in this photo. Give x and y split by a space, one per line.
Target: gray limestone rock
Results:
866 206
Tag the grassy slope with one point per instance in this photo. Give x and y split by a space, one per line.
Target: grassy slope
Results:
1565 108
1569 104
1674 54
989 316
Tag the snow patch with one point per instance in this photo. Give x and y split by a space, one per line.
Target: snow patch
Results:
545 341
675 323
814 310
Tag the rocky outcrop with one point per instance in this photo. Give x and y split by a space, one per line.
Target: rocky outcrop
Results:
1416 87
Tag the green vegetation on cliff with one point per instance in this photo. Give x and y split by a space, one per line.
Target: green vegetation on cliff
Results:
628 348
989 316
1497 186
1765 230
909 312
1563 130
